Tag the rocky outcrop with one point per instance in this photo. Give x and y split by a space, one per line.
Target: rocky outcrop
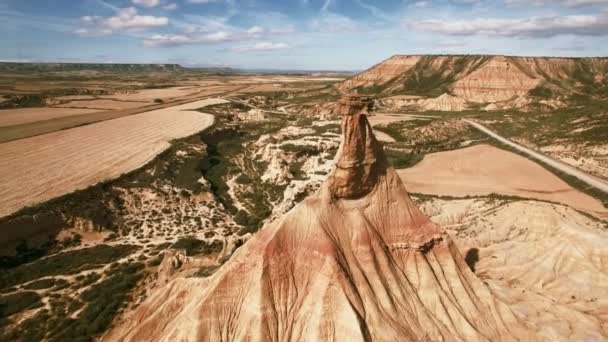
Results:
350 263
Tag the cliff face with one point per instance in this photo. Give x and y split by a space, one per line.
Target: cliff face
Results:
497 80
357 261
503 81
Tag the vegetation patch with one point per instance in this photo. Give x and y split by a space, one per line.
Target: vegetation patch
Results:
16 302
102 302
70 262
194 246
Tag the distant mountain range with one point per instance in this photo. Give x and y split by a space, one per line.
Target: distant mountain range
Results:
15 67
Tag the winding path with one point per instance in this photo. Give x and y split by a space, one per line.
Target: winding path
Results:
568 169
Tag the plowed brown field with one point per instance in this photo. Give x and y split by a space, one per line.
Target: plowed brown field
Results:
40 168
484 169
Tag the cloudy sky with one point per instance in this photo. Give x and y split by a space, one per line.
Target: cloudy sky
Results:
295 34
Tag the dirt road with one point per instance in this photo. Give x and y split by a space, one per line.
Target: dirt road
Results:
572 171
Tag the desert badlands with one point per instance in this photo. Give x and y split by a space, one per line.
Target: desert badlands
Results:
428 198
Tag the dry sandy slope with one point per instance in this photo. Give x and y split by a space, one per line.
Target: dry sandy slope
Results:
357 261
10 117
483 169
547 261
39 168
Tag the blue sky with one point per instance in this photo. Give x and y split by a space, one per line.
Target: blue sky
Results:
295 34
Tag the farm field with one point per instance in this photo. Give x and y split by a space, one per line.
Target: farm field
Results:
62 162
483 170
102 104
12 117
45 125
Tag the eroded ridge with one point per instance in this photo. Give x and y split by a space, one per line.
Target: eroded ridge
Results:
357 261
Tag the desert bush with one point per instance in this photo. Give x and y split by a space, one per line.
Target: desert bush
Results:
17 302
40 284
194 246
156 260
243 179
206 271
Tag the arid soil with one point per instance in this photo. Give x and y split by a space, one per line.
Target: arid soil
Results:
43 167
356 261
544 260
483 169
10 117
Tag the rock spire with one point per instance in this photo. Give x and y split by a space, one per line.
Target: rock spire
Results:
360 159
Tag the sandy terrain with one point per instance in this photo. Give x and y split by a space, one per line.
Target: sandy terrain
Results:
39 168
9 117
483 169
267 88
383 137
151 94
386 118
103 104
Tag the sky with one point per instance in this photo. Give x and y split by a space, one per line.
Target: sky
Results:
295 34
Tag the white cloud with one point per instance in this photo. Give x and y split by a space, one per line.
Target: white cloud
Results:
260 46
333 23
567 3
201 1
146 3
170 7
587 25
421 4
85 32
255 30
579 3
169 40
124 19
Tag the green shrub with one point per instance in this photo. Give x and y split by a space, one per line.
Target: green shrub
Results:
156 260
65 263
40 284
206 271
17 302
194 246
243 179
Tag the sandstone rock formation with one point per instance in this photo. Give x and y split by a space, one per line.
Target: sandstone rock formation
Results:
357 261
497 80
500 82
380 73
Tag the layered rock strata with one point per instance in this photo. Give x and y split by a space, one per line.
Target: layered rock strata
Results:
357 261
